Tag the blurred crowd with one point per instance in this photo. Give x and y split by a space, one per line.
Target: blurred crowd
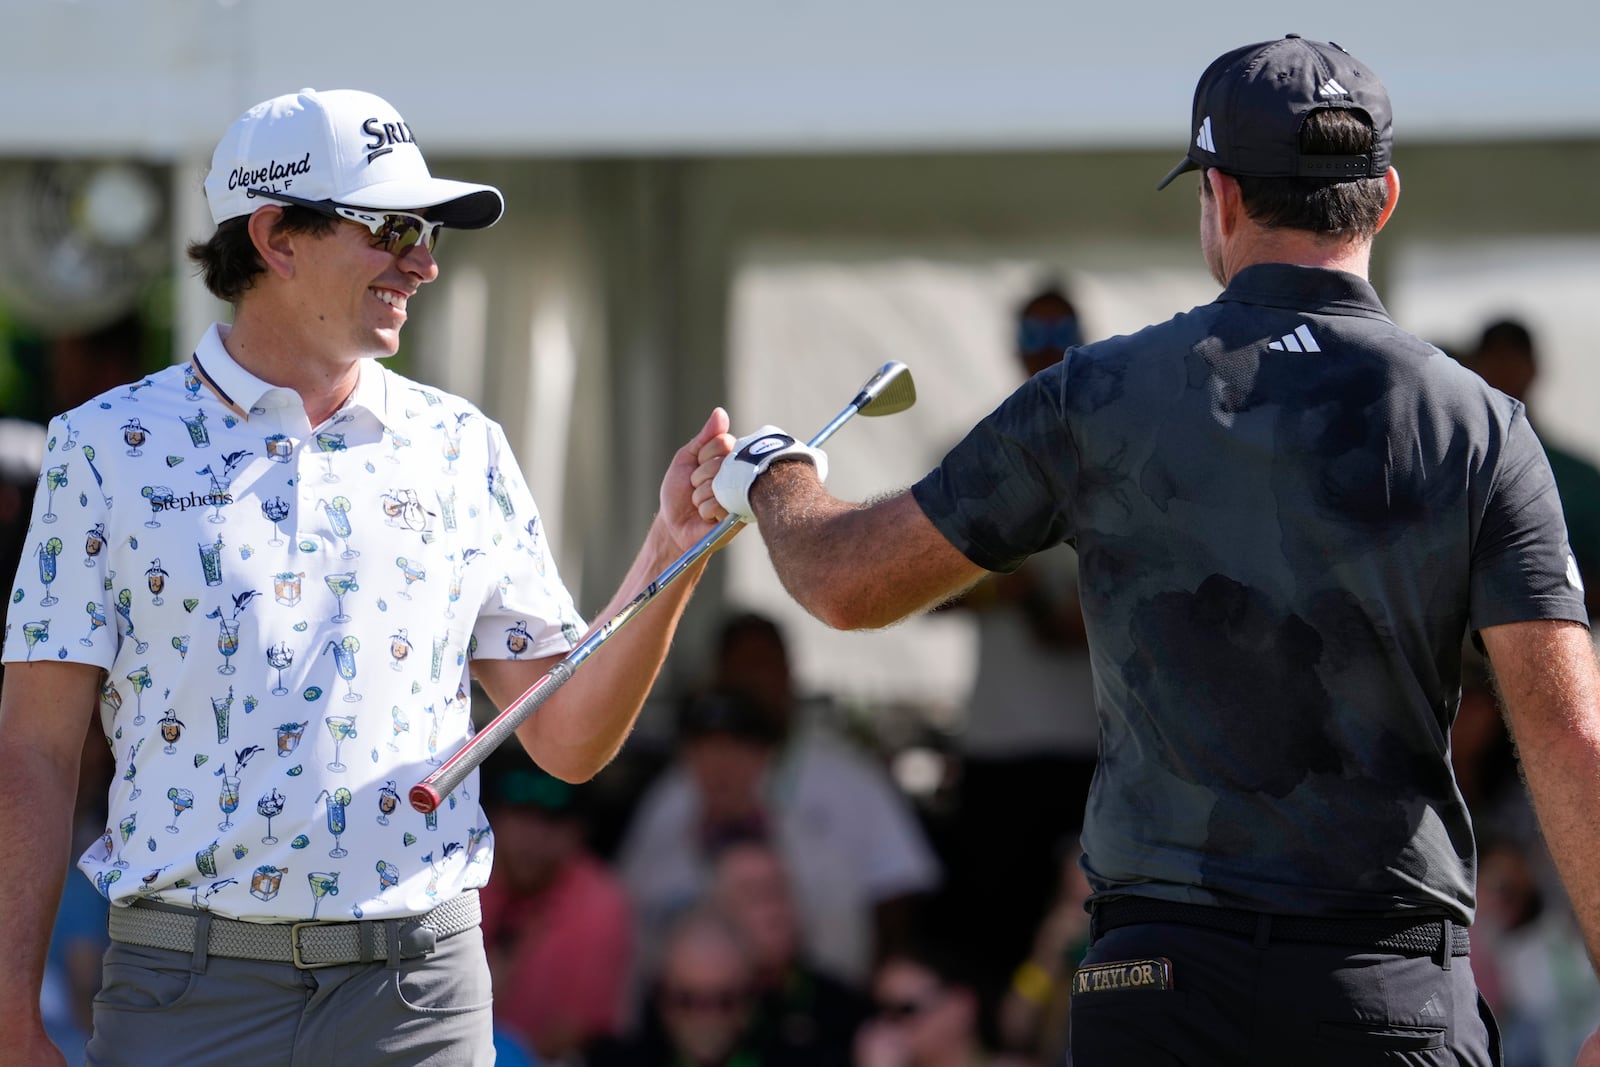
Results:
765 894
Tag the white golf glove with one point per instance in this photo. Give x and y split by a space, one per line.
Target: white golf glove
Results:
753 454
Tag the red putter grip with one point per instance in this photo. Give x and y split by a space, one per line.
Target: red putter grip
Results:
425 798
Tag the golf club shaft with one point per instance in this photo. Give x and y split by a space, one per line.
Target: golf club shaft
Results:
429 793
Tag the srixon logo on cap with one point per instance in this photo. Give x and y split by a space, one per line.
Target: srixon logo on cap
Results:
385 135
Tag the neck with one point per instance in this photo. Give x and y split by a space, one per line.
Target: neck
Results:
269 345
1255 245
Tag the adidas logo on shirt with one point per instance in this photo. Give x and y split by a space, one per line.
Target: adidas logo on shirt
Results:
1299 341
1331 87
1203 138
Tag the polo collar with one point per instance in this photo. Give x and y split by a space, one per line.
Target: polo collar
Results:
1296 288
242 392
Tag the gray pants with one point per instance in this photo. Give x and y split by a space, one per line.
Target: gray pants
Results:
157 1006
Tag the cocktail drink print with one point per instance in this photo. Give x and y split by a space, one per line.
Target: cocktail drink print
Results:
182 800
99 480
221 710
133 769
35 632
397 443
399 724
266 881
323 884
191 383
228 800
205 861
156 580
412 571
329 443
287 587
275 511
344 660
94 542
279 657
342 728
399 647
140 677
48 551
126 827
289 735
338 512
54 478
97 619
211 562
199 436
497 487
160 496
341 585
388 875
335 803
227 641
388 801
269 807
436 662
518 640
171 730
134 436
125 610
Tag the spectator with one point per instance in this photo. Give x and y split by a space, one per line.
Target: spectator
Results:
556 922
926 1013
1506 358
1034 1013
701 1006
1031 729
808 1015
857 854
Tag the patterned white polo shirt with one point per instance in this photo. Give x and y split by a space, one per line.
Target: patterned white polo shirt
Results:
285 614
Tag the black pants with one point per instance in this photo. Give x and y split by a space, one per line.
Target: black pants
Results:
1235 1003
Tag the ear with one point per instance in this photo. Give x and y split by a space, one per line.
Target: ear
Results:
1391 181
272 243
1228 201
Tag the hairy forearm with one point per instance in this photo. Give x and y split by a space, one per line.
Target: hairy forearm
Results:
854 566
1551 691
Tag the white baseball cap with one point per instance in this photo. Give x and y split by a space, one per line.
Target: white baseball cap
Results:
342 146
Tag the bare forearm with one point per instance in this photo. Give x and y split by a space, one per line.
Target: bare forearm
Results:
32 889
582 727
1551 689
854 566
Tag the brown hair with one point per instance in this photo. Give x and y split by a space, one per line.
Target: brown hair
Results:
1347 209
228 260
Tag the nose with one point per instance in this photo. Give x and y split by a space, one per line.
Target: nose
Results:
418 261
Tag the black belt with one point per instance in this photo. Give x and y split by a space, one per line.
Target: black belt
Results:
1403 935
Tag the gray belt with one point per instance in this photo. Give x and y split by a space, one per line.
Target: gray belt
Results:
307 945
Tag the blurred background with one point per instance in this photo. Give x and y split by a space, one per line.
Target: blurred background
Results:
757 204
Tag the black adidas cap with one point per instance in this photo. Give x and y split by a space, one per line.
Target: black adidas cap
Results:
1251 102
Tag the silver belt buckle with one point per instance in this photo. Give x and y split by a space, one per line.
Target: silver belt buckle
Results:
294 945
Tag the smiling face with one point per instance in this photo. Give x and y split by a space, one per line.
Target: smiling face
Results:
354 294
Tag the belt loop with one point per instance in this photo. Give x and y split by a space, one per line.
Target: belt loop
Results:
365 934
1445 944
1263 930
391 937
202 942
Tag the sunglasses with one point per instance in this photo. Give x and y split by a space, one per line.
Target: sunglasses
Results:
901 1010
718 1001
396 232
1048 335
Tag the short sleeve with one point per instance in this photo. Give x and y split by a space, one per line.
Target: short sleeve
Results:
1522 566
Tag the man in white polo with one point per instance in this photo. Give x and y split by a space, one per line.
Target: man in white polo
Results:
271 570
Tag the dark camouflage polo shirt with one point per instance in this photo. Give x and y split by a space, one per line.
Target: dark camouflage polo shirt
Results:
1289 513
